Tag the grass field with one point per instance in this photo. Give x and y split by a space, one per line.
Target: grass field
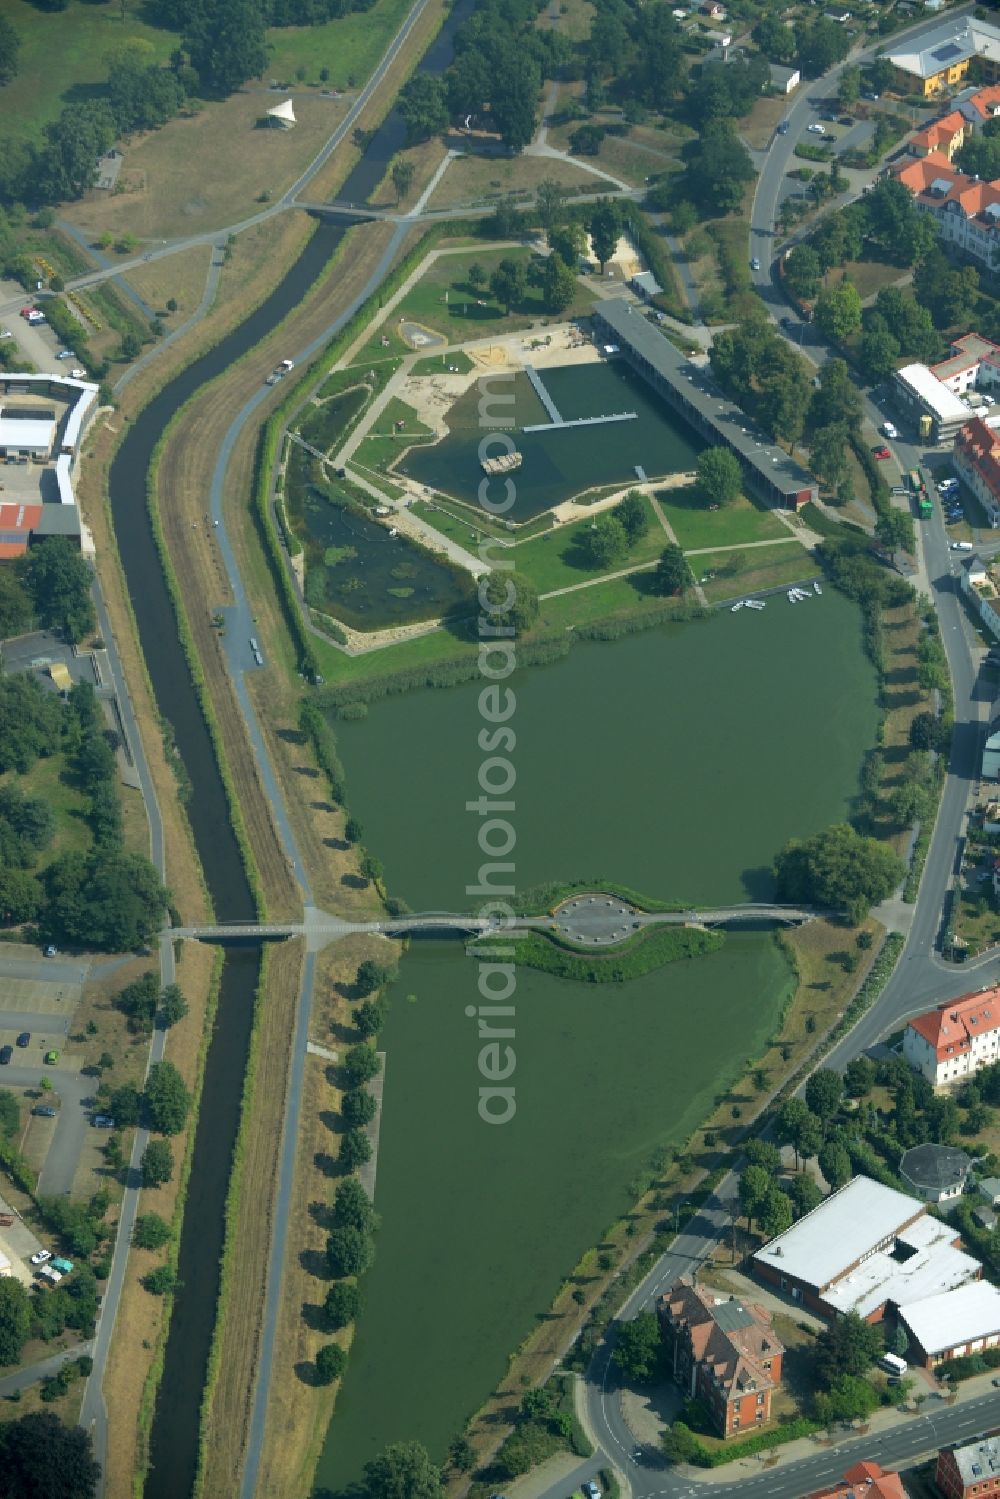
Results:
767 567
349 46
444 301
869 276
734 525
50 781
461 363
470 179
558 560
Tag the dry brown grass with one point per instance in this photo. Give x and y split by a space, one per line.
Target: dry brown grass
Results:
758 129
207 170
228 1417
182 277
470 179
298 1414
140 1316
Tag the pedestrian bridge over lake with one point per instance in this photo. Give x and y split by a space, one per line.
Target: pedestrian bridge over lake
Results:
598 920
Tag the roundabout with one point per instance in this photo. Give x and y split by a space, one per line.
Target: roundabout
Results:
598 919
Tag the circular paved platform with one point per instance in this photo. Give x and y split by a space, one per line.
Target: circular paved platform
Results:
598 918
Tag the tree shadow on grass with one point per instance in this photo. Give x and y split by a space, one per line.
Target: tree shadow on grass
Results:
314 1262
326 1164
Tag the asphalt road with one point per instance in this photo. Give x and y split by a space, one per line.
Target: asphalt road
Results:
54 970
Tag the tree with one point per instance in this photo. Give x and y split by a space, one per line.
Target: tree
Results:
423 106
111 902
508 598
639 1349
361 1064
837 402
879 350
859 1077
847 1346
353 1208
586 140
849 87
679 1443
672 575
805 1194
151 1231
508 283
43 1459
58 581
838 869
166 1099
368 1018
775 39
835 1164
349 1252
849 1398
760 1152
894 531
792 1118
605 543
568 241
173 1006
125 1106
10 45
754 1185
138 1002
357 1108
550 203
402 1471
631 512
15 1319
720 477
371 976
900 1342
822 43
224 40
342 1304
461 1453
402 177
157 1164
803 272
67 164
718 168
928 732
559 284
161 1280
824 1091
605 226
355 1150
776 1212
838 311
331 1361
514 97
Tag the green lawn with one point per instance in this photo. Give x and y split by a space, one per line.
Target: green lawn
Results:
445 302
62 57
767 567
437 364
349 46
557 560
46 780
457 525
585 605
736 524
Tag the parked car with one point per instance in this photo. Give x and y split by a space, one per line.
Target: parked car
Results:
40 1256
55 1276
51 952
24 1039
591 1490
783 127
103 1121
65 354
51 1058
956 546
44 1111
815 129
888 430
6 1052
755 264
881 452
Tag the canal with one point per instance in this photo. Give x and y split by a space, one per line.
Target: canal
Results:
175 1430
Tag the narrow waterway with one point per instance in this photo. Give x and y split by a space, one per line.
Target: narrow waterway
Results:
174 1436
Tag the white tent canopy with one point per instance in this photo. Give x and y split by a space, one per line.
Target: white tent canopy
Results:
282 114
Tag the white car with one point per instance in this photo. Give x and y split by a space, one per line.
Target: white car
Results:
77 374
816 129
889 430
40 1256
591 1490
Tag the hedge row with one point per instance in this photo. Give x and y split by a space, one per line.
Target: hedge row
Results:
320 735
761 1441
645 954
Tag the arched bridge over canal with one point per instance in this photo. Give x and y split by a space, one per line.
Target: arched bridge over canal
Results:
600 920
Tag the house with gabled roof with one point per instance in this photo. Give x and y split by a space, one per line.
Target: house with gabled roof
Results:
950 1043
723 1352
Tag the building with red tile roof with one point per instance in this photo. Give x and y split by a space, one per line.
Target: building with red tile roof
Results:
976 457
946 135
983 104
952 1042
724 1353
865 1480
967 211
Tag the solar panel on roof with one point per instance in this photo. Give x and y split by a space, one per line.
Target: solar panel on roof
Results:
942 54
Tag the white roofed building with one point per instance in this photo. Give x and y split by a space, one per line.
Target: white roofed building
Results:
282 115
26 437
921 393
954 1323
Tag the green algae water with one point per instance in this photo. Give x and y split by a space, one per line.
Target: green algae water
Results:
677 761
481 1224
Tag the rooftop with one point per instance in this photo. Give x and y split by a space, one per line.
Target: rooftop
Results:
966 351
865 1481
846 1226
928 388
935 1167
956 1317
951 1027
921 1262
979 1460
946 45
696 385
19 432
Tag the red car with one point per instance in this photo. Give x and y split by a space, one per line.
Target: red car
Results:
882 452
